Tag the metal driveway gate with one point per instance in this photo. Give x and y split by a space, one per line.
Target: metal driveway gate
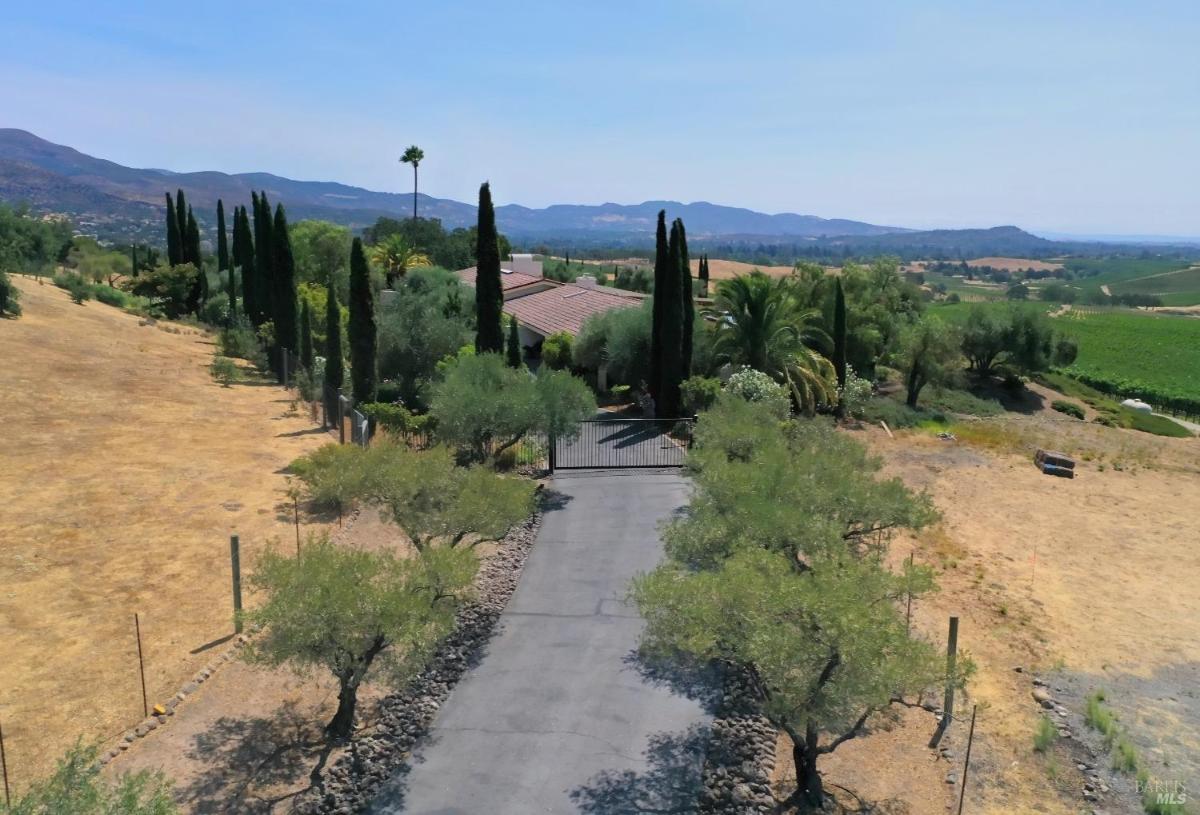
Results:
624 443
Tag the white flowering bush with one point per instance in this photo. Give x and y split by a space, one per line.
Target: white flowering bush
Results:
755 386
856 393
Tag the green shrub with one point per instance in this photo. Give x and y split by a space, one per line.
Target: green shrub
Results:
240 341
556 350
699 393
1124 755
1100 718
897 414
77 787
856 394
224 370
110 296
1045 736
395 418
9 297
952 400
755 386
1069 408
79 289
215 310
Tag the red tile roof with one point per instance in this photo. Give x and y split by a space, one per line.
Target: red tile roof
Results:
508 280
564 308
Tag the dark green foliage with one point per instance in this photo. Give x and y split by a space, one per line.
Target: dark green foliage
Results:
191 254
513 349
174 236
839 342
334 367
1069 408
699 393
489 295
181 217
363 342
556 351
264 260
77 787
306 343
423 324
687 305
284 267
704 276
222 240
167 287
450 250
243 248
9 297
661 263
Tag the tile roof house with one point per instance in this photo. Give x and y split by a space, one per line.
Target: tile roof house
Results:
543 306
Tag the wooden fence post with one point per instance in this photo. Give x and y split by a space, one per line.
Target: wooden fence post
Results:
967 763
137 627
236 562
948 703
4 764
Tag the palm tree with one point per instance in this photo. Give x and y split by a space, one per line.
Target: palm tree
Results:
413 155
761 324
395 255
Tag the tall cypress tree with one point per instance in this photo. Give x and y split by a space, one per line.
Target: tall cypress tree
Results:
264 255
222 245
704 275
174 237
334 367
362 327
662 292
489 294
671 332
306 346
513 349
284 267
687 304
839 344
181 216
133 270
199 291
249 271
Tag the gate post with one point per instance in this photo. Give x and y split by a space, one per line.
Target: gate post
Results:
551 456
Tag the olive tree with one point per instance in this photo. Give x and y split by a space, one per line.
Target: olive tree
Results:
928 353
778 570
435 502
77 788
350 611
483 407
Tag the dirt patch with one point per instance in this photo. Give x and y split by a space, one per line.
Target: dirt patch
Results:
724 269
126 470
1015 264
1085 579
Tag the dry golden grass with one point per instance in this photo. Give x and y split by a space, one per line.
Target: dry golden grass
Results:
125 471
724 269
1013 264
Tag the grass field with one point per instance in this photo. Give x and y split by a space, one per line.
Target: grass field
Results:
126 469
1137 276
1176 288
1127 352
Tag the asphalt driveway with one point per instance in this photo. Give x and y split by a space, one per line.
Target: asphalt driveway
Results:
559 717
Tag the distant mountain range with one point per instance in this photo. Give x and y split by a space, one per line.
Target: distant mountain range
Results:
123 203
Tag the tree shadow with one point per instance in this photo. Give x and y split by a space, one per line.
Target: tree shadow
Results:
252 764
698 682
312 431
671 782
550 500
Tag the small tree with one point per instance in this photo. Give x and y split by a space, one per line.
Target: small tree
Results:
928 352
342 609
434 502
483 407
77 788
556 351
334 366
9 297
334 475
363 343
512 350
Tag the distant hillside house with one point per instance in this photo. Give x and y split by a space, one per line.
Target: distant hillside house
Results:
544 307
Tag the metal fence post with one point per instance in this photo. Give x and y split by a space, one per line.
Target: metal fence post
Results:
948 703
341 419
236 562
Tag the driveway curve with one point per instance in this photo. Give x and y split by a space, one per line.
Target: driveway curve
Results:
558 716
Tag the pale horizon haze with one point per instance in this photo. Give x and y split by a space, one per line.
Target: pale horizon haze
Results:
1059 117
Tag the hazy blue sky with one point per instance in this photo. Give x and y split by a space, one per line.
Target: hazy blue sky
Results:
1070 116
